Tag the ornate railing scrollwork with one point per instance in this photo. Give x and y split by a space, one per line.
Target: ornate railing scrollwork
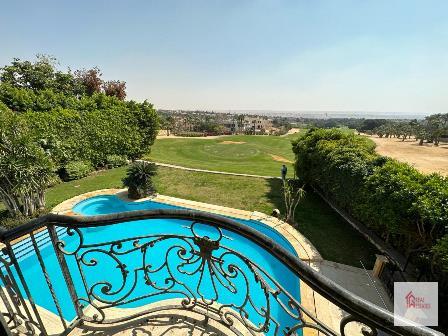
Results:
123 280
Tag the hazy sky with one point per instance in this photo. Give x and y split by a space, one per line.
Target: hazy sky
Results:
279 55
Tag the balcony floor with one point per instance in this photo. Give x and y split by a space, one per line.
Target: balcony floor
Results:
177 323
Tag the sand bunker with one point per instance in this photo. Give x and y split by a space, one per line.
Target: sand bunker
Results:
232 142
280 158
427 158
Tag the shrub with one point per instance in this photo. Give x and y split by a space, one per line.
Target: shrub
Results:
139 179
68 116
114 161
25 169
55 180
406 208
76 170
9 222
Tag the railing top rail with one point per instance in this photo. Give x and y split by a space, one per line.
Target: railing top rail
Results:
351 303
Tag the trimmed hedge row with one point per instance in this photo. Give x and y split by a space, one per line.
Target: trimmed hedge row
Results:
99 128
405 207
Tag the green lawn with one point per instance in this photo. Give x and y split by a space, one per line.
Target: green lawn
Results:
250 154
333 237
100 180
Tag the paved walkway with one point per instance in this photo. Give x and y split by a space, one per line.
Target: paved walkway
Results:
357 280
210 171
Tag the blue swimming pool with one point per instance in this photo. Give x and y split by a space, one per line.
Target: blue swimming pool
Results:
105 269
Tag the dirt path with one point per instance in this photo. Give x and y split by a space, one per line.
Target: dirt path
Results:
232 142
199 137
426 158
210 171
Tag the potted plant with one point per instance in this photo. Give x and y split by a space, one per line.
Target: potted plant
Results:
139 179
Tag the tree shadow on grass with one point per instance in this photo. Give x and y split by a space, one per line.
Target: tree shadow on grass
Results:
334 238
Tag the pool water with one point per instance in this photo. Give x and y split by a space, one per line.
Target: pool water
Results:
106 269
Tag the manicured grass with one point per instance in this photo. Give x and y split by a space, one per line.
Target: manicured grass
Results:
249 154
246 193
100 180
331 235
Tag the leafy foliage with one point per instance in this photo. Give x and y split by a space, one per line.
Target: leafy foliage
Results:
440 251
115 89
65 120
76 125
39 75
139 179
431 129
114 161
25 169
76 170
90 80
405 207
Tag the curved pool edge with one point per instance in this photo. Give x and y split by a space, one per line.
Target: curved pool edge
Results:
302 246
314 303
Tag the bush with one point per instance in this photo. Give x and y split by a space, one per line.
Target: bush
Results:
139 179
25 169
9 222
76 170
408 209
85 129
55 180
405 207
114 161
70 120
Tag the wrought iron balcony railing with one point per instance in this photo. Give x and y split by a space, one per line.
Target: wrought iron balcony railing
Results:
194 270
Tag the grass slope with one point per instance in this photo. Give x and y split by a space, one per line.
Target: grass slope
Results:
252 155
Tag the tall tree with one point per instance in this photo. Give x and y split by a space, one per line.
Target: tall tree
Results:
437 126
115 88
90 80
38 75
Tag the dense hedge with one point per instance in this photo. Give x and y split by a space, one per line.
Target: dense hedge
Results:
76 116
77 169
64 122
405 207
90 128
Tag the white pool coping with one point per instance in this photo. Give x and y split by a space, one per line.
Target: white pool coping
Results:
303 247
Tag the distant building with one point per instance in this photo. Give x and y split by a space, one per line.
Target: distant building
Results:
197 121
257 125
247 124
